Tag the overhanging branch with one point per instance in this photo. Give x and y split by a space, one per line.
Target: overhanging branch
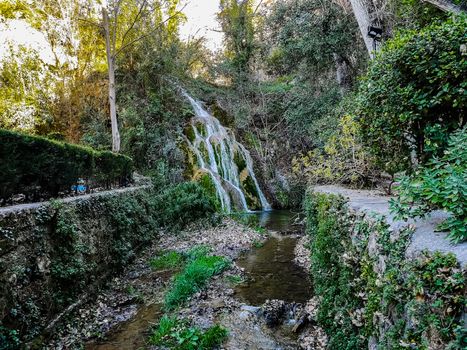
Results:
446 6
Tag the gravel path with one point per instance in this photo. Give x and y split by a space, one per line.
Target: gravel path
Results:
28 206
425 236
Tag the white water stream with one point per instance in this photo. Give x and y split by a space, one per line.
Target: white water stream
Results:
215 148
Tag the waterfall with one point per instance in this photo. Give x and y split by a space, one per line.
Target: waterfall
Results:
227 162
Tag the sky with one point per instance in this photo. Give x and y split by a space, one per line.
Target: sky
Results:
201 21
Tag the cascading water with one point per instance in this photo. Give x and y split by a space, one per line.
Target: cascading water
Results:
227 162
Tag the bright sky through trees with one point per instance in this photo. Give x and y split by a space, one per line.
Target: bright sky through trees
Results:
201 21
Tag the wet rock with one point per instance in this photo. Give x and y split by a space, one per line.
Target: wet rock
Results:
314 338
43 264
252 309
217 303
244 315
273 312
18 198
311 309
372 343
302 253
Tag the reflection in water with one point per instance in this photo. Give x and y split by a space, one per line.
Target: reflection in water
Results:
132 334
272 274
275 220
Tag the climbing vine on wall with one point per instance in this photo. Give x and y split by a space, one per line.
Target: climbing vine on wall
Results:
370 292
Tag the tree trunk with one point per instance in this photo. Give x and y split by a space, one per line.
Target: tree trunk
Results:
446 6
363 20
343 73
112 94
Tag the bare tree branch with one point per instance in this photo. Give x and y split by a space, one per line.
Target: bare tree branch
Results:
257 7
446 6
150 32
116 11
143 6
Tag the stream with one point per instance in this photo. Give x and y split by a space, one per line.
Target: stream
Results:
271 271
270 274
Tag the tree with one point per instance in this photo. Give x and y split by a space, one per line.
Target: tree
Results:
447 6
121 31
236 19
111 57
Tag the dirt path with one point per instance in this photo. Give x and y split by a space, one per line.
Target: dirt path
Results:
29 206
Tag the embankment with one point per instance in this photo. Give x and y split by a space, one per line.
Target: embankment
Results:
383 284
53 255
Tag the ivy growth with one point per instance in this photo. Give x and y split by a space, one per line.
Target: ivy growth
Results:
440 184
363 279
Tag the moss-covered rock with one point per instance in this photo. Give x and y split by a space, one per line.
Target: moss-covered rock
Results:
190 133
239 161
206 181
201 128
221 114
249 189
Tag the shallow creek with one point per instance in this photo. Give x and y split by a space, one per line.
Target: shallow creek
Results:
270 274
271 271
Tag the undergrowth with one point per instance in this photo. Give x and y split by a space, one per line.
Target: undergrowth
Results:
168 260
199 269
363 279
177 334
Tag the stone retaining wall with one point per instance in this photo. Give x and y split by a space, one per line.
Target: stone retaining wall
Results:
53 253
383 284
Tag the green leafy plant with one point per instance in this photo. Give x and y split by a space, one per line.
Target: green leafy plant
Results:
257 243
235 279
9 339
193 277
440 184
178 334
181 204
416 83
168 260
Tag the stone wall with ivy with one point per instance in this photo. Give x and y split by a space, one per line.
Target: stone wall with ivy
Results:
372 296
53 253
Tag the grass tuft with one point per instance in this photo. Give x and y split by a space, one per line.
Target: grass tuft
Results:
193 277
177 334
168 260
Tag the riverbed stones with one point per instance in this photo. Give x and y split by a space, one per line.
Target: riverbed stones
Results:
273 312
252 309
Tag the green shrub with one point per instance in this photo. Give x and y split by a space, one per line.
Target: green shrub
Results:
193 277
177 334
402 303
9 339
414 94
440 184
184 203
111 167
343 158
168 260
35 165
